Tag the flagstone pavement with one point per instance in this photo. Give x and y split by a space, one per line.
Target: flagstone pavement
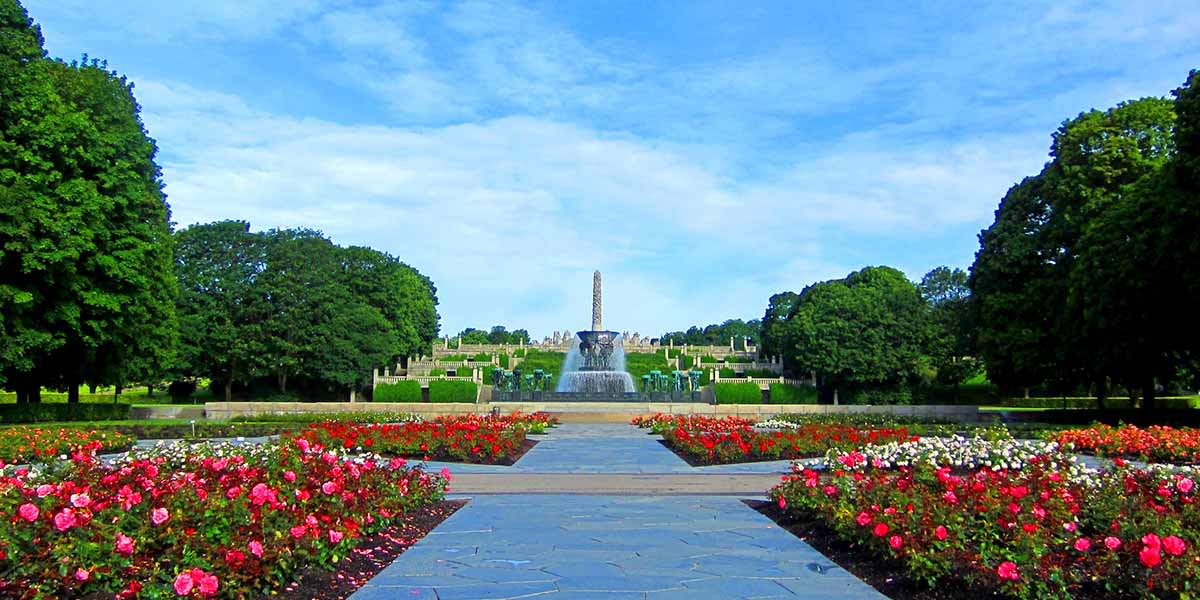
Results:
637 544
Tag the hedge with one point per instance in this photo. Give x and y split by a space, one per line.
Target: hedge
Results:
42 413
452 391
738 393
782 393
401 391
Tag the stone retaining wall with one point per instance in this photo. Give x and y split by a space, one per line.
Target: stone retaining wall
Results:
583 411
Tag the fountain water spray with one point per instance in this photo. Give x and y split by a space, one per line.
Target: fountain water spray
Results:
596 362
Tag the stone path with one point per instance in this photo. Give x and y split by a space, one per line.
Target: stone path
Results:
626 529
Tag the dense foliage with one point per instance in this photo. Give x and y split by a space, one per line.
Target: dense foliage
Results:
737 393
1079 281
291 307
401 391
742 332
86 288
498 334
36 444
441 390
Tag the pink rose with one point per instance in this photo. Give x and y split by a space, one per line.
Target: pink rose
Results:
80 500
124 544
208 585
1150 556
1151 540
289 475
940 533
1173 545
29 512
895 542
329 487
1069 526
184 584
863 519
782 502
298 531
233 492
256 548
1185 485
159 516
1112 543
82 574
65 519
1008 570
44 490
335 536
1083 544
446 474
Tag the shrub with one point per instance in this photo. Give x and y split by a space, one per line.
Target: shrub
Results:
453 391
782 393
892 394
42 413
464 372
503 361
738 359
482 357
181 390
437 372
738 393
401 391
708 359
549 362
641 363
727 373
763 373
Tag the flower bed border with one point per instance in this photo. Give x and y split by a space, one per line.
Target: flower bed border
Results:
381 550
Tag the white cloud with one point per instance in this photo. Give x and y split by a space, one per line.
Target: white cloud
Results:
501 213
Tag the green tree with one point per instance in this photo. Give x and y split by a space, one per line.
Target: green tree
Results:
222 312
84 237
772 330
498 335
864 331
405 298
471 335
951 345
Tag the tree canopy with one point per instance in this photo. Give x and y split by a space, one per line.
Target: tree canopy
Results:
86 285
290 306
717 334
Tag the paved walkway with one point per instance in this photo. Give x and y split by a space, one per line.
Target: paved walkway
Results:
627 529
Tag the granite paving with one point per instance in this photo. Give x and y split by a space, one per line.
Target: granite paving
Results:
647 547
643 538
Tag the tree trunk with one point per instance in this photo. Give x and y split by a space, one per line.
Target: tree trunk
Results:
229 389
957 394
34 393
73 393
91 388
283 383
1101 392
22 395
149 390
1148 393
117 392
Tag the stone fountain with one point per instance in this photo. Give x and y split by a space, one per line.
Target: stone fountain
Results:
596 362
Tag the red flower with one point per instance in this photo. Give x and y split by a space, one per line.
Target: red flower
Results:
1083 544
1150 556
864 518
895 542
940 533
1008 570
1112 543
881 530
1173 545
28 512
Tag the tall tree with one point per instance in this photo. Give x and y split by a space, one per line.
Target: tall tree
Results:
951 345
88 290
772 329
222 313
862 331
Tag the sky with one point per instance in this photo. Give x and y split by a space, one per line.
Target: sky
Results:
701 155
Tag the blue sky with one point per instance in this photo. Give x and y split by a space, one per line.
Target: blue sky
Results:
703 155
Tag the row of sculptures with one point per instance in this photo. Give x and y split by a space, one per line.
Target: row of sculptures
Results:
565 337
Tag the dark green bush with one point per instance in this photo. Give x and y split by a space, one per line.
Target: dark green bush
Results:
181 391
765 373
44 412
738 393
738 359
437 372
727 373
782 393
482 357
708 359
401 391
503 361
888 394
452 391
548 362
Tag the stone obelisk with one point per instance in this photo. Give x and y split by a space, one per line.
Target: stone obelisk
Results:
596 302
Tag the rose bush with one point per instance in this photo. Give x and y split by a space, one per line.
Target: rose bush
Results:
463 438
36 444
1046 530
195 523
1157 443
732 439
